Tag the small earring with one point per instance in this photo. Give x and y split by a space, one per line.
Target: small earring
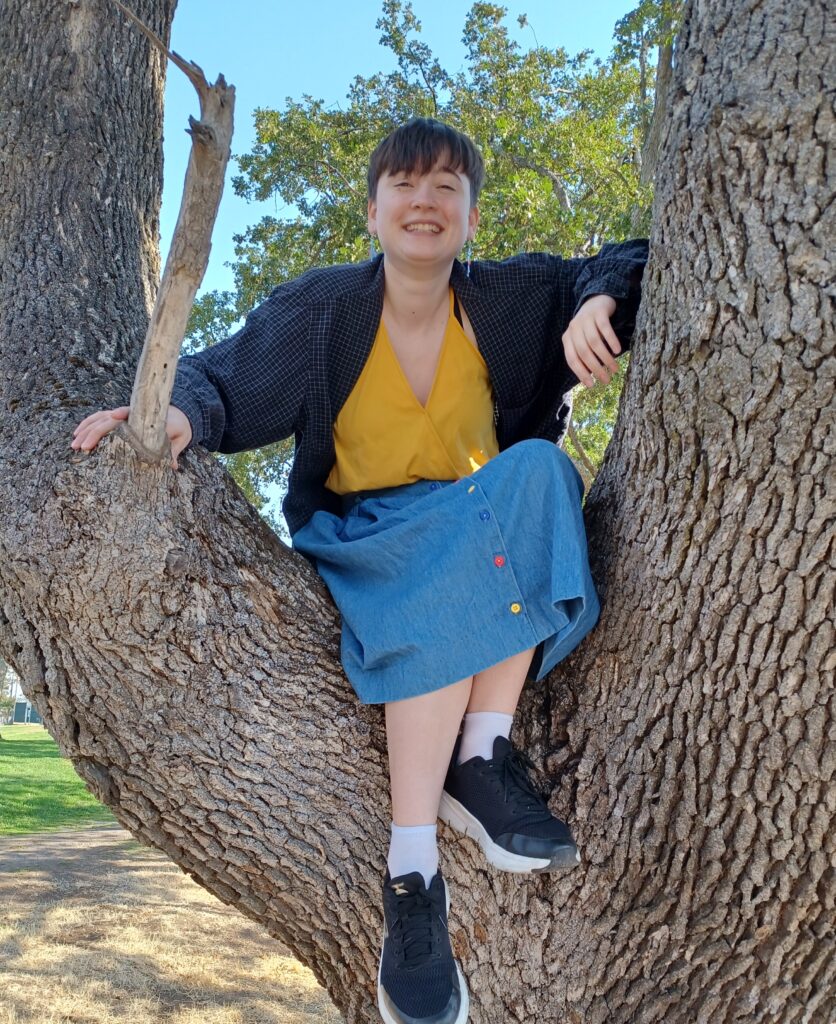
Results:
372 248
468 253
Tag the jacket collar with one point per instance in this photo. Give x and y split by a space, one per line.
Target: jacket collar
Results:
491 330
352 334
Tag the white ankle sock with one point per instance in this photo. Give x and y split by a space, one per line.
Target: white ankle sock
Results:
413 848
480 730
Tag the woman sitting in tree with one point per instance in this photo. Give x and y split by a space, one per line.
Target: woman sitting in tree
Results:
426 398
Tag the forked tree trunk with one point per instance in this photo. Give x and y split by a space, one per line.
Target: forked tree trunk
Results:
188 663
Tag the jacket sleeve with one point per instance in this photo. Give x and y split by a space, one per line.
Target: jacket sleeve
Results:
616 271
247 391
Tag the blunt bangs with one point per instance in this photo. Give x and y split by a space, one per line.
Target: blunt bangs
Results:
417 146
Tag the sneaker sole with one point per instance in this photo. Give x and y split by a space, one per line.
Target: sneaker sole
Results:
464 1009
459 818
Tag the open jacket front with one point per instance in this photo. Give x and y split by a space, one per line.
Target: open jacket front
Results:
294 362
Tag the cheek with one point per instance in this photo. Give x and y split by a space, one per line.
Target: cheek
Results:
388 209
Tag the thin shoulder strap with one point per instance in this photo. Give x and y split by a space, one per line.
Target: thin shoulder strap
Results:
457 313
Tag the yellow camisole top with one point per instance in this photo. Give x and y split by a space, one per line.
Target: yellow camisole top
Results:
384 437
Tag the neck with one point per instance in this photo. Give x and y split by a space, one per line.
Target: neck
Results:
414 300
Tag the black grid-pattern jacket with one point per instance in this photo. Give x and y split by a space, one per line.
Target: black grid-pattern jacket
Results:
292 365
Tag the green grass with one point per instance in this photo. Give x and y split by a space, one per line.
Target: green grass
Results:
39 789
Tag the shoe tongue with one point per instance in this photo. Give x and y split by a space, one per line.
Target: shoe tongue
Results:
410 883
501 747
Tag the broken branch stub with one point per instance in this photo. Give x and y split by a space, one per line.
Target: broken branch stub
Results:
187 258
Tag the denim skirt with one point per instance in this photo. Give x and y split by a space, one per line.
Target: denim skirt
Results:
439 579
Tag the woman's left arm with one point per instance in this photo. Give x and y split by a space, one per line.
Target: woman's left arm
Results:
589 342
607 291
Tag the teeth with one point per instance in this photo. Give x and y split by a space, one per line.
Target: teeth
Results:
428 228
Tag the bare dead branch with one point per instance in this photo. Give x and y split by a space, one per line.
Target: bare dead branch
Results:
175 58
187 258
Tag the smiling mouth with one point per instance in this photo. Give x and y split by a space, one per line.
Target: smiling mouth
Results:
425 229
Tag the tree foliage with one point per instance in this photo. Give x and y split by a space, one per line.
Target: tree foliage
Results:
561 136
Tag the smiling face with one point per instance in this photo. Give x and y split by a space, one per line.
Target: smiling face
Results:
423 220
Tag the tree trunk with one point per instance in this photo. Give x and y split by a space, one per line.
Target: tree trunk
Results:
188 662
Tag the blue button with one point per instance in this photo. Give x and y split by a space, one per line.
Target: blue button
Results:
484 515
434 486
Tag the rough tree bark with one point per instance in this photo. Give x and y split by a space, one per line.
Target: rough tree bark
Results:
188 662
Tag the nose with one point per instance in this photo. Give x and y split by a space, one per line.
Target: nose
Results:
423 195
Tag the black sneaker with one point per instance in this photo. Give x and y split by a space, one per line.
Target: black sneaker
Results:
496 804
418 982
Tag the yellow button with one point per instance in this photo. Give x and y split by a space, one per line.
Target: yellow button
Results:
516 608
470 490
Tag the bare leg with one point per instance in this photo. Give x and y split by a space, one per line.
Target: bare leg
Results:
420 733
498 688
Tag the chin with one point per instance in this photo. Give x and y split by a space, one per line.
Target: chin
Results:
428 260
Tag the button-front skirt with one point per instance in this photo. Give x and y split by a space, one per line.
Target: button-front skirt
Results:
438 580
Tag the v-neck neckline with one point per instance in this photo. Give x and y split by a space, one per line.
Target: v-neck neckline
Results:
444 343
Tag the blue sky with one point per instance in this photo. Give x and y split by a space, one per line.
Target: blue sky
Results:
273 50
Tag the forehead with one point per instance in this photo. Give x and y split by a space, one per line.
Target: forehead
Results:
441 166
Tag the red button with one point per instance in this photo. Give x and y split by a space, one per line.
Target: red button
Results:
499 561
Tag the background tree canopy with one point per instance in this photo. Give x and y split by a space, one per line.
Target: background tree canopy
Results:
562 138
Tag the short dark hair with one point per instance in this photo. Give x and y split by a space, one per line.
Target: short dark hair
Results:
418 145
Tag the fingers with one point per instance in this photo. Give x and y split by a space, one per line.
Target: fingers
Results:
581 371
585 362
176 448
120 413
94 427
589 347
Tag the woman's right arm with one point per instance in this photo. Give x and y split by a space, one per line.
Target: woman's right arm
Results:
243 393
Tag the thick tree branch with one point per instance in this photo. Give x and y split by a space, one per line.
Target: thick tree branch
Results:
588 464
187 259
652 142
544 172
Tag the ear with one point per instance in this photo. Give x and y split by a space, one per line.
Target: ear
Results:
371 217
472 223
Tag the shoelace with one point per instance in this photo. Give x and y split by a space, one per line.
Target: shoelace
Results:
518 789
414 923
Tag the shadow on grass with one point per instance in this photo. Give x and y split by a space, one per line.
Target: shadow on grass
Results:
140 941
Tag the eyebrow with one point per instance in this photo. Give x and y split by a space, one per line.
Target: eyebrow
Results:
446 169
